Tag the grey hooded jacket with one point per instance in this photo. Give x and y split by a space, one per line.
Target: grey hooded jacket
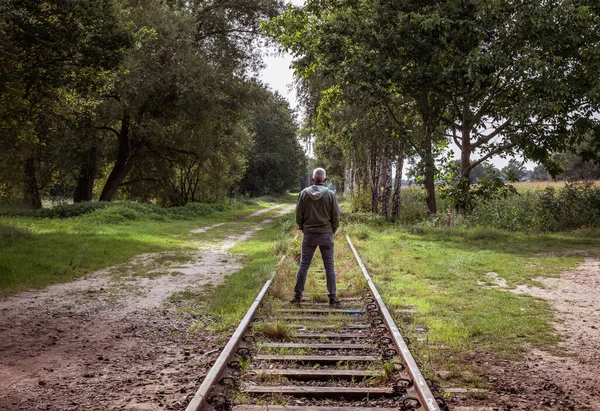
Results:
317 210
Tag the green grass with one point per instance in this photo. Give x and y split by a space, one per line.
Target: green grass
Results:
441 274
232 299
226 304
38 251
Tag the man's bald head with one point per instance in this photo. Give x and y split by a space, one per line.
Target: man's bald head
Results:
319 175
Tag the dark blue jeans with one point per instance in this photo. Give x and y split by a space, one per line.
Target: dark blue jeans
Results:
310 242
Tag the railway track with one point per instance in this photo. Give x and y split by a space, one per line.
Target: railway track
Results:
313 357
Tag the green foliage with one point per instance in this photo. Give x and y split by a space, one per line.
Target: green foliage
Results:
72 210
574 206
150 99
118 212
540 173
459 194
276 163
52 53
495 205
440 68
514 171
361 200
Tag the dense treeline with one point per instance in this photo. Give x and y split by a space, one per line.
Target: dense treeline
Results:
152 101
389 81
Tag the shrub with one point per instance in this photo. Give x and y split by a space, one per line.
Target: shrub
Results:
71 210
361 200
114 212
576 205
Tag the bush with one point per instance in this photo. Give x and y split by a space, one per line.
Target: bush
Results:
71 210
361 200
576 205
115 212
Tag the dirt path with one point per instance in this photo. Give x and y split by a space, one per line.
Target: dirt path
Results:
111 340
543 381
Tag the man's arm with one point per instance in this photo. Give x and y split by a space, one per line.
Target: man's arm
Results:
335 215
299 213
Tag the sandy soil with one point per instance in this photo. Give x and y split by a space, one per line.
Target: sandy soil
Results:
112 342
543 381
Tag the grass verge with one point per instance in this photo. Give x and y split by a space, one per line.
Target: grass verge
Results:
447 278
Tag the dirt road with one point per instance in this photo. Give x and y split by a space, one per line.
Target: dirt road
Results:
112 340
569 380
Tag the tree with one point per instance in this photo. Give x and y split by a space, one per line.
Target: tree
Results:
501 76
189 68
540 173
576 169
514 171
50 49
277 161
517 76
483 170
352 47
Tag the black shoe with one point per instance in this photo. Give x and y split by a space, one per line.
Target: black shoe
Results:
334 300
297 299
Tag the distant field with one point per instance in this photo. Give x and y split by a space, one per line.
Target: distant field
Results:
543 184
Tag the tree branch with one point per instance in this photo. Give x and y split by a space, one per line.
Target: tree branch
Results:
485 139
493 152
126 183
109 129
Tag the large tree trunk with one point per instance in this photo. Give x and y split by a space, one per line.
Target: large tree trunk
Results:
31 192
373 180
398 181
87 175
348 181
463 203
129 152
429 173
385 178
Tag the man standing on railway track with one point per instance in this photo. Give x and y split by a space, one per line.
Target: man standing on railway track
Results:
318 216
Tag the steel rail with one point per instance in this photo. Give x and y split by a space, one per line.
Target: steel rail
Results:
200 400
426 397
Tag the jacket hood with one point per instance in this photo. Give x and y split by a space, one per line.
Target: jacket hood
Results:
316 191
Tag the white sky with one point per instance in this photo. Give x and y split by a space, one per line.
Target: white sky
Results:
280 76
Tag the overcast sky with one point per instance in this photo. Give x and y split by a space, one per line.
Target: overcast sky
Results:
280 76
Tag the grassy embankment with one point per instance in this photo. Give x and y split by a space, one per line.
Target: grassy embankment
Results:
60 244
